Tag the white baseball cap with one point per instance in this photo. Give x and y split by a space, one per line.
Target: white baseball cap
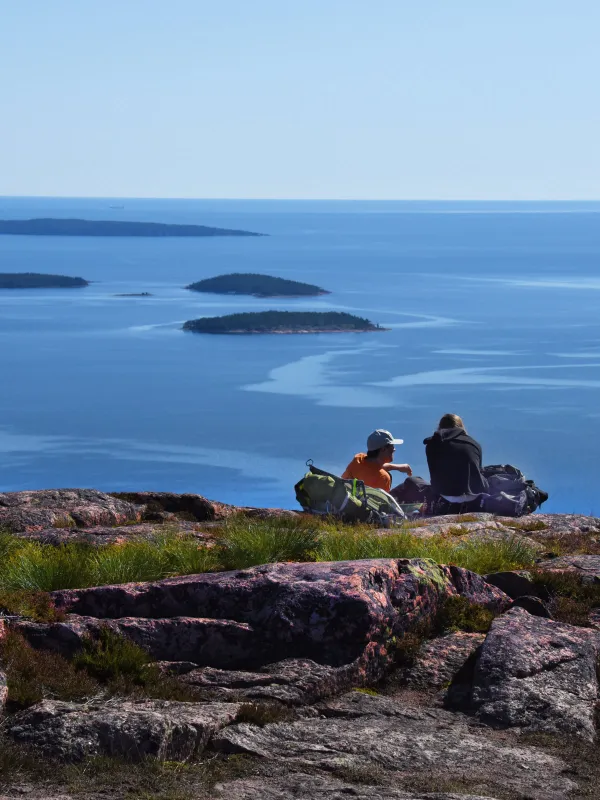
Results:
381 438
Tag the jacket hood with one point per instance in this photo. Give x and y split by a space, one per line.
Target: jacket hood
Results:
445 435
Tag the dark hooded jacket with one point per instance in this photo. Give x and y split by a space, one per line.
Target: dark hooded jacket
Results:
454 461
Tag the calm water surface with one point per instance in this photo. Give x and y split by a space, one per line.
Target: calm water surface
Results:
493 311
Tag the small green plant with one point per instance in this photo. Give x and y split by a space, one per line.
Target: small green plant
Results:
459 614
264 714
111 656
366 690
33 675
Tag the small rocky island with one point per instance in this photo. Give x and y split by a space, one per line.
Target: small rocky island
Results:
251 283
283 322
135 294
88 227
36 280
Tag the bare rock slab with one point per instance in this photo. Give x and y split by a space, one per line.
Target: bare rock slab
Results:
63 508
537 674
405 741
162 729
316 787
295 681
586 566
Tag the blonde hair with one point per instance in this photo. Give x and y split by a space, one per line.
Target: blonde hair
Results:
451 421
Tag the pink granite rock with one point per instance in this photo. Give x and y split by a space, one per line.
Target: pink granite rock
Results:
63 508
215 642
332 613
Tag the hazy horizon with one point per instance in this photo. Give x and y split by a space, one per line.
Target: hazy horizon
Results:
327 100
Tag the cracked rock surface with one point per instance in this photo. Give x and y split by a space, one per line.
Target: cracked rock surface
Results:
537 674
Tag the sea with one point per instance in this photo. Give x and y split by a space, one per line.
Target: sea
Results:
491 308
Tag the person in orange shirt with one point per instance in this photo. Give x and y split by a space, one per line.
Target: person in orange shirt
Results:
373 467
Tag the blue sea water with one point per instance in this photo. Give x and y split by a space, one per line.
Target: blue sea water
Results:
492 310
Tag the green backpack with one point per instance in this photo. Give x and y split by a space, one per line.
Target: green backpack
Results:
350 500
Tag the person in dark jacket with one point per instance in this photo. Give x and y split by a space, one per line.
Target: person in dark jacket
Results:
454 460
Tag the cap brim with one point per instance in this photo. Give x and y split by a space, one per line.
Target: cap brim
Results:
397 441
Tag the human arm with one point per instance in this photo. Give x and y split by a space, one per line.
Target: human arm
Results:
398 468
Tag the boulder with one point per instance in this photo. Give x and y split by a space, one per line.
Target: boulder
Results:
318 787
514 584
63 508
538 675
162 729
533 605
331 613
438 660
364 734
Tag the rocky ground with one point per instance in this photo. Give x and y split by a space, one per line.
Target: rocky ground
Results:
314 680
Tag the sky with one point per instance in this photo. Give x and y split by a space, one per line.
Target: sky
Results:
345 99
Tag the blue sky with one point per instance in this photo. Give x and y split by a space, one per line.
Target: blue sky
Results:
466 99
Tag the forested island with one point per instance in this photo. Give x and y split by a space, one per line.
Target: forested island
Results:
283 322
36 280
87 227
256 285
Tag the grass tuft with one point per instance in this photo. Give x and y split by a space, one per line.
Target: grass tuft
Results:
112 656
246 542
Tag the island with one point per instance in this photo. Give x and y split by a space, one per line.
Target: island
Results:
37 280
89 227
256 285
135 294
283 322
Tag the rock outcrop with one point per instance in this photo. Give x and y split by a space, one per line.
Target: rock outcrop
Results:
364 733
166 730
538 675
332 613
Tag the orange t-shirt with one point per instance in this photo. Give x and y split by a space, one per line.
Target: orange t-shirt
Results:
370 473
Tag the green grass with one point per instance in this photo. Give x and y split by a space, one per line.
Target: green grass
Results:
481 555
32 567
35 567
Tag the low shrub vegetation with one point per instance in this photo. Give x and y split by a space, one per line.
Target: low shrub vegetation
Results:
459 614
32 675
570 597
